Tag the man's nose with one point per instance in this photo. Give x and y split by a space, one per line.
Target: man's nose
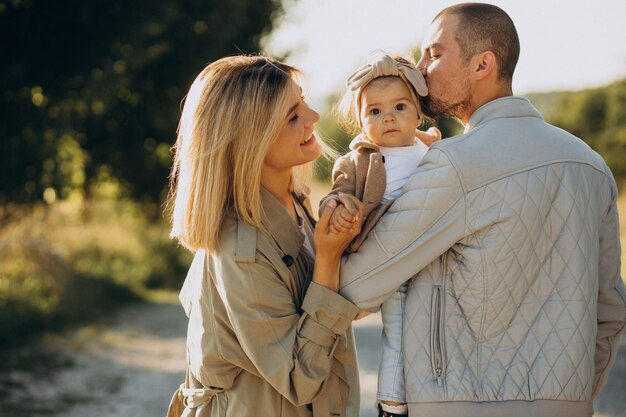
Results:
422 66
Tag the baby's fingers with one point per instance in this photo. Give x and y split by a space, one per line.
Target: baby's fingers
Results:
352 205
340 224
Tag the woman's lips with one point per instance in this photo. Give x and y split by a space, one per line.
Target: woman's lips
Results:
309 141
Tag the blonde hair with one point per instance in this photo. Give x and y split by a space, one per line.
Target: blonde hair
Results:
232 114
347 110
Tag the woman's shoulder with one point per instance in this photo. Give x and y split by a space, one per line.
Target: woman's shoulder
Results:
241 243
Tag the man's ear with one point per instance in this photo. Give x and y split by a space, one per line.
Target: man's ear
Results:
484 64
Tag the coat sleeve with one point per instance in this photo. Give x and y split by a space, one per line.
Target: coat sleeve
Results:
292 351
344 180
611 295
427 219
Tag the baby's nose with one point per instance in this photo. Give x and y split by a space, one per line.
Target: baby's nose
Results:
388 117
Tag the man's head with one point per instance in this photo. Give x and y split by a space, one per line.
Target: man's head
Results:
468 59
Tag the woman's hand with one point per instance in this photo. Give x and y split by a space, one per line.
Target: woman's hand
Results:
331 241
345 217
329 245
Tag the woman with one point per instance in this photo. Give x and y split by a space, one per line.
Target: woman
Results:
268 334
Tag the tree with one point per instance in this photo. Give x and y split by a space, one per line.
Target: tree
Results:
597 116
92 90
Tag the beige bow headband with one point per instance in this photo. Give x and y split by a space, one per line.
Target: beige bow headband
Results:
381 67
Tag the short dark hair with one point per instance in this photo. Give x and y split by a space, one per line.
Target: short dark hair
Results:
485 27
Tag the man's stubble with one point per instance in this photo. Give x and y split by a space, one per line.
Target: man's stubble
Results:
456 107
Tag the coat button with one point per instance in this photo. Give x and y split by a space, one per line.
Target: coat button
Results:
383 159
309 407
288 260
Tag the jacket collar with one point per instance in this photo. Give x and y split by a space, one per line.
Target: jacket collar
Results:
504 107
280 225
361 141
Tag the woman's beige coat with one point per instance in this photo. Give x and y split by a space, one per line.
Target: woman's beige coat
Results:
262 339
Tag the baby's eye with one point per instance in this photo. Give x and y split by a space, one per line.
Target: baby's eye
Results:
400 106
375 111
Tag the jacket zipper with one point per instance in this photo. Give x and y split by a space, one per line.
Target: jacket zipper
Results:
436 325
436 357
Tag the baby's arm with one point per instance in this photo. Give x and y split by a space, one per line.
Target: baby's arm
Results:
343 176
429 137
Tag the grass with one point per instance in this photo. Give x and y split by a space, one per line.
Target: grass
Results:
73 261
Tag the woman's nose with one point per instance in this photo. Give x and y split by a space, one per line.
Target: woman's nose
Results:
314 116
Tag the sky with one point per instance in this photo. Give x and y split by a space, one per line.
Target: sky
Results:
565 44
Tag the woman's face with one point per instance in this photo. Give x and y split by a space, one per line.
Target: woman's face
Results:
296 144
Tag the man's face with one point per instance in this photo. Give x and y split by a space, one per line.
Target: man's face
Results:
447 74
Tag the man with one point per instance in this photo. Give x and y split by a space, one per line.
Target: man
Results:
509 236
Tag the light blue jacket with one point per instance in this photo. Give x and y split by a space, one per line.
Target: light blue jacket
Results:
509 236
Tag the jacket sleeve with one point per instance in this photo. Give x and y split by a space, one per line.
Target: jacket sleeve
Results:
611 295
423 223
292 351
344 180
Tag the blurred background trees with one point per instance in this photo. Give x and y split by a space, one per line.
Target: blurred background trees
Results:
597 115
90 96
91 90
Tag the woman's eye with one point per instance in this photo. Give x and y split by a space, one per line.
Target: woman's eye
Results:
401 106
294 118
375 112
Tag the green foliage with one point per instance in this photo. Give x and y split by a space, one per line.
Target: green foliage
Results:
334 134
93 85
72 260
597 116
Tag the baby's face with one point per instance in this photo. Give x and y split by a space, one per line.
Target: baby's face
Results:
388 114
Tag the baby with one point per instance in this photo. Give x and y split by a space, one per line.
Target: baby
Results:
382 101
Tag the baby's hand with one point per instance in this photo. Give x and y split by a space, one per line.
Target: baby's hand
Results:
429 137
341 220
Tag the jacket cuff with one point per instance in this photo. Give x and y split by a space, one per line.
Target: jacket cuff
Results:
331 313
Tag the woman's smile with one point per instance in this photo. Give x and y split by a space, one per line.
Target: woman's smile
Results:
309 141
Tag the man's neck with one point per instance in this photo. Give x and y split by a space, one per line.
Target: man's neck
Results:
482 97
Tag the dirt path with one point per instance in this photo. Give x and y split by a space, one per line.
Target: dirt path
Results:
129 367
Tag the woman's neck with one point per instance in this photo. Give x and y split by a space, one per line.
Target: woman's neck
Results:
277 183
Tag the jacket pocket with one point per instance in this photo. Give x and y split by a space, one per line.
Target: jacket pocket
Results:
436 336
